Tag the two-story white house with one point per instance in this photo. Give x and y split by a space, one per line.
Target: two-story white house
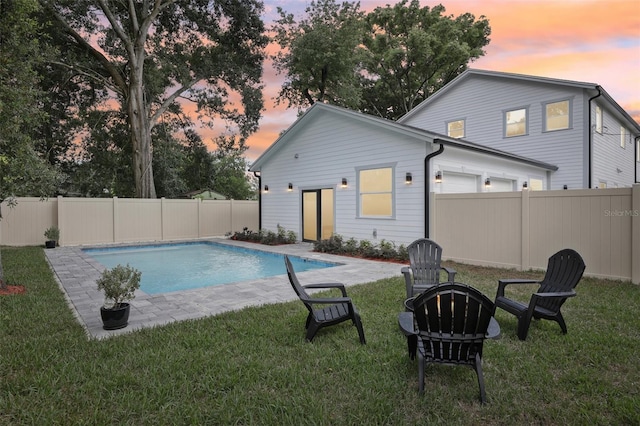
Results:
339 171
574 125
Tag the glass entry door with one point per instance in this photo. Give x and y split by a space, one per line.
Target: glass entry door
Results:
317 214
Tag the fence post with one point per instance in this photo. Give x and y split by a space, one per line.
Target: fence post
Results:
60 220
116 219
635 234
162 215
525 261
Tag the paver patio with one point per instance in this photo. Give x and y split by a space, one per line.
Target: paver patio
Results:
77 272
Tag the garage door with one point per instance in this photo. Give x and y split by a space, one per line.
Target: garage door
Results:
501 185
459 182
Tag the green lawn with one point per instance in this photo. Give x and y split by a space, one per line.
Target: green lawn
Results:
254 367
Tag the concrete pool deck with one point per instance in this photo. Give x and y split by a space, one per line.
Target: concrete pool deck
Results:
77 273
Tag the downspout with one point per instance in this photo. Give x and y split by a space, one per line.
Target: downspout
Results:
257 174
591 136
635 158
427 186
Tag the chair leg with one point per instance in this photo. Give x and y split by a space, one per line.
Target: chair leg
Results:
358 323
421 363
560 320
524 321
312 329
478 368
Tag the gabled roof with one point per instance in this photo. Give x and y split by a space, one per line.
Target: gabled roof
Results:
471 73
424 135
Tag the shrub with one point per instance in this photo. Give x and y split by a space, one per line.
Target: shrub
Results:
266 237
352 247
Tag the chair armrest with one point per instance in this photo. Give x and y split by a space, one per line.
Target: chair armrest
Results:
327 300
493 332
405 322
339 286
503 283
408 282
451 274
561 294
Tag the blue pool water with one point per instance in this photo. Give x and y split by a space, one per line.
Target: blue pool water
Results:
174 267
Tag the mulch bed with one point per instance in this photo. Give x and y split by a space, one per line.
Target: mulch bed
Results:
12 289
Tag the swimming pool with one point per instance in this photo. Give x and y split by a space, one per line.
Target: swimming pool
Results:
182 266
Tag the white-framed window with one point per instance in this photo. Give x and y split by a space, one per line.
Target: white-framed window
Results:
557 115
455 129
598 119
638 151
536 184
375 190
623 137
515 122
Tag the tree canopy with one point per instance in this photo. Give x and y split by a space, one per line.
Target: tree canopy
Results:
319 54
22 170
152 58
389 60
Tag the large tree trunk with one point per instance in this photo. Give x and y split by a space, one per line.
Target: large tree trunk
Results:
140 137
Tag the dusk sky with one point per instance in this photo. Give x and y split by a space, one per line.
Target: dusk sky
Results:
594 41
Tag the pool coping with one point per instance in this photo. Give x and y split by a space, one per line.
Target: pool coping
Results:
76 273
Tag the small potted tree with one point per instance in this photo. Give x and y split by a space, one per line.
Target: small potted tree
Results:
118 285
52 235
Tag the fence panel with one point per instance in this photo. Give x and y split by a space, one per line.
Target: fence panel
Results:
480 228
84 221
522 229
24 224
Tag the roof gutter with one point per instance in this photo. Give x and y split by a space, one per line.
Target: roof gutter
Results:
427 185
598 88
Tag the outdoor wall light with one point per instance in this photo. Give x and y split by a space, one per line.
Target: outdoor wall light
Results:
565 187
438 176
344 182
290 188
487 182
266 188
525 185
408 178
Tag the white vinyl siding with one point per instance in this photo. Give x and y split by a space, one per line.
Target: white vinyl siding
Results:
483 102
557 115
623 137
515 122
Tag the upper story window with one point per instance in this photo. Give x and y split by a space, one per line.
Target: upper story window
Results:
598 119
515 122
557 116
623 137
376 192
638 151
455 129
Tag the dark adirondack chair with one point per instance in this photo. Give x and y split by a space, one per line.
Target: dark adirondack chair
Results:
339 309
424 266
451 322
564 271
